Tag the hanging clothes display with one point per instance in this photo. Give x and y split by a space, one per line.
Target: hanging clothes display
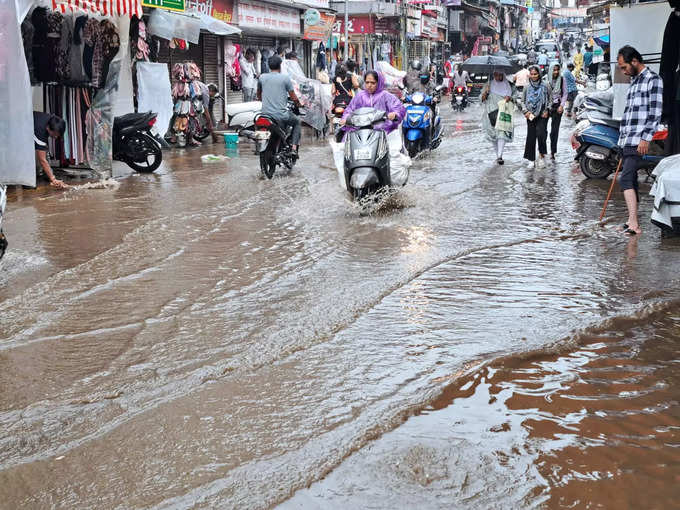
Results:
191 98
69 103
70 55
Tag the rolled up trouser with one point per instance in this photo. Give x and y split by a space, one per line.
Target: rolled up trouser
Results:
628 178
291 120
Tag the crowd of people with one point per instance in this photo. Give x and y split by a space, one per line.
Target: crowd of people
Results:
542 98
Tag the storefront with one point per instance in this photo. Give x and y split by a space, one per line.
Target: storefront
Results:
370 39
265 27
78 67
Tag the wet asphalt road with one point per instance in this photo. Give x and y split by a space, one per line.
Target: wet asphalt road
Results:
200 338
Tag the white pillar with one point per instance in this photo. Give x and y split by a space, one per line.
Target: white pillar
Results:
124 98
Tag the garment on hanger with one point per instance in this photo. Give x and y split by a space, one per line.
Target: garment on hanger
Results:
54 23
27 31
39 44
76 55
64 52
668 70
90 35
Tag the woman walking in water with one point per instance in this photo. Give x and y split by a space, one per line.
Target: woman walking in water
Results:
495 92
535 105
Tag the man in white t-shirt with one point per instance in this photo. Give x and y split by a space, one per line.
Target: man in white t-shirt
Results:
522 78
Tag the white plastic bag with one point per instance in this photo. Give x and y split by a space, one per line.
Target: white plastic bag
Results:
17 156
399 161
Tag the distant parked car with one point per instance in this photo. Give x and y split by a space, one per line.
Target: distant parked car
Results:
551 48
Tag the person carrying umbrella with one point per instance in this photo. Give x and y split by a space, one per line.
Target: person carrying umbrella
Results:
495 93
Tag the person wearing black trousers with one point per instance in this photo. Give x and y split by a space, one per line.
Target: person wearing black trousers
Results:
535 104
558 101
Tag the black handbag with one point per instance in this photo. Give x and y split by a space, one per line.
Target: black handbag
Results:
492 117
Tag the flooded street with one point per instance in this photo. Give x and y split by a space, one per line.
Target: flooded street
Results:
201 338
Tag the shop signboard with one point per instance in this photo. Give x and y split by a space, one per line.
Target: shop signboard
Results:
322 30
317 4
355 25
428 27
268 17
222 10
170 5
387 26
491 17
413 27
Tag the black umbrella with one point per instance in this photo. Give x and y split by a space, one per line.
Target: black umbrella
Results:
488 64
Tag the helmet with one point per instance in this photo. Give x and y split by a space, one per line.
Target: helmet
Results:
424 78
416 65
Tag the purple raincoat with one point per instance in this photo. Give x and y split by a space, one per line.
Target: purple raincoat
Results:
380 100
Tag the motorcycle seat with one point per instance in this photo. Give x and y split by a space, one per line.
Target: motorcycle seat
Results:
235 109
130 119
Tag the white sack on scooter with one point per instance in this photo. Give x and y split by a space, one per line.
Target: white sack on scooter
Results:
666 190
399 162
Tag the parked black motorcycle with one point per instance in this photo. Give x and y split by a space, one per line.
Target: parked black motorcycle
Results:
134 144
272 142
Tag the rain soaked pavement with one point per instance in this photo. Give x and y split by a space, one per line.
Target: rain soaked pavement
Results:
201 338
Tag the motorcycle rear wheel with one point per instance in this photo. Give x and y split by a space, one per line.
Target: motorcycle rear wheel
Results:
143 153
595 168
267 163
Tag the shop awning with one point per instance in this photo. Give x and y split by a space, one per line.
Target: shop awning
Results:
216 26
169 25
110 8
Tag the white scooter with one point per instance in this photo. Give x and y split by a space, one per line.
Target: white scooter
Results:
242 115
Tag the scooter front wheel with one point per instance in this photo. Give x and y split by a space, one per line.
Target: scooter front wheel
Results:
412 148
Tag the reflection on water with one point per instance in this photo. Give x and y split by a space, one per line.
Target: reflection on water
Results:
597 426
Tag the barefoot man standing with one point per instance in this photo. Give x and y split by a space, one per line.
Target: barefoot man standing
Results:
640 120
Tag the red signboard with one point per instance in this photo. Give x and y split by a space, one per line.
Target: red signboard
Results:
355 25
220 9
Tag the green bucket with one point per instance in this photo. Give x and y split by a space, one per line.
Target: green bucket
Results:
230 139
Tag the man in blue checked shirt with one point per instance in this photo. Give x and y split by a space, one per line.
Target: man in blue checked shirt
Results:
640 120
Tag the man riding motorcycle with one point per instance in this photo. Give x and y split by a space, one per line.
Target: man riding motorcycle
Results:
418 79
274 89
543 62
460 79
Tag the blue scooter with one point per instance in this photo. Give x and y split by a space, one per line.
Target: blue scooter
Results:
420 130
597 149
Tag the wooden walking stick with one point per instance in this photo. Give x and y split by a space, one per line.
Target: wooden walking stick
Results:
611 188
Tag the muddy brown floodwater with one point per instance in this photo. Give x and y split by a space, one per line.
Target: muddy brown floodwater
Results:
200 338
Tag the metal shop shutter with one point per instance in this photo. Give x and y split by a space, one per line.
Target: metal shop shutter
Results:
212 67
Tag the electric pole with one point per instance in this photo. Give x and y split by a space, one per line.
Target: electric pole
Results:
404 36
346 32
